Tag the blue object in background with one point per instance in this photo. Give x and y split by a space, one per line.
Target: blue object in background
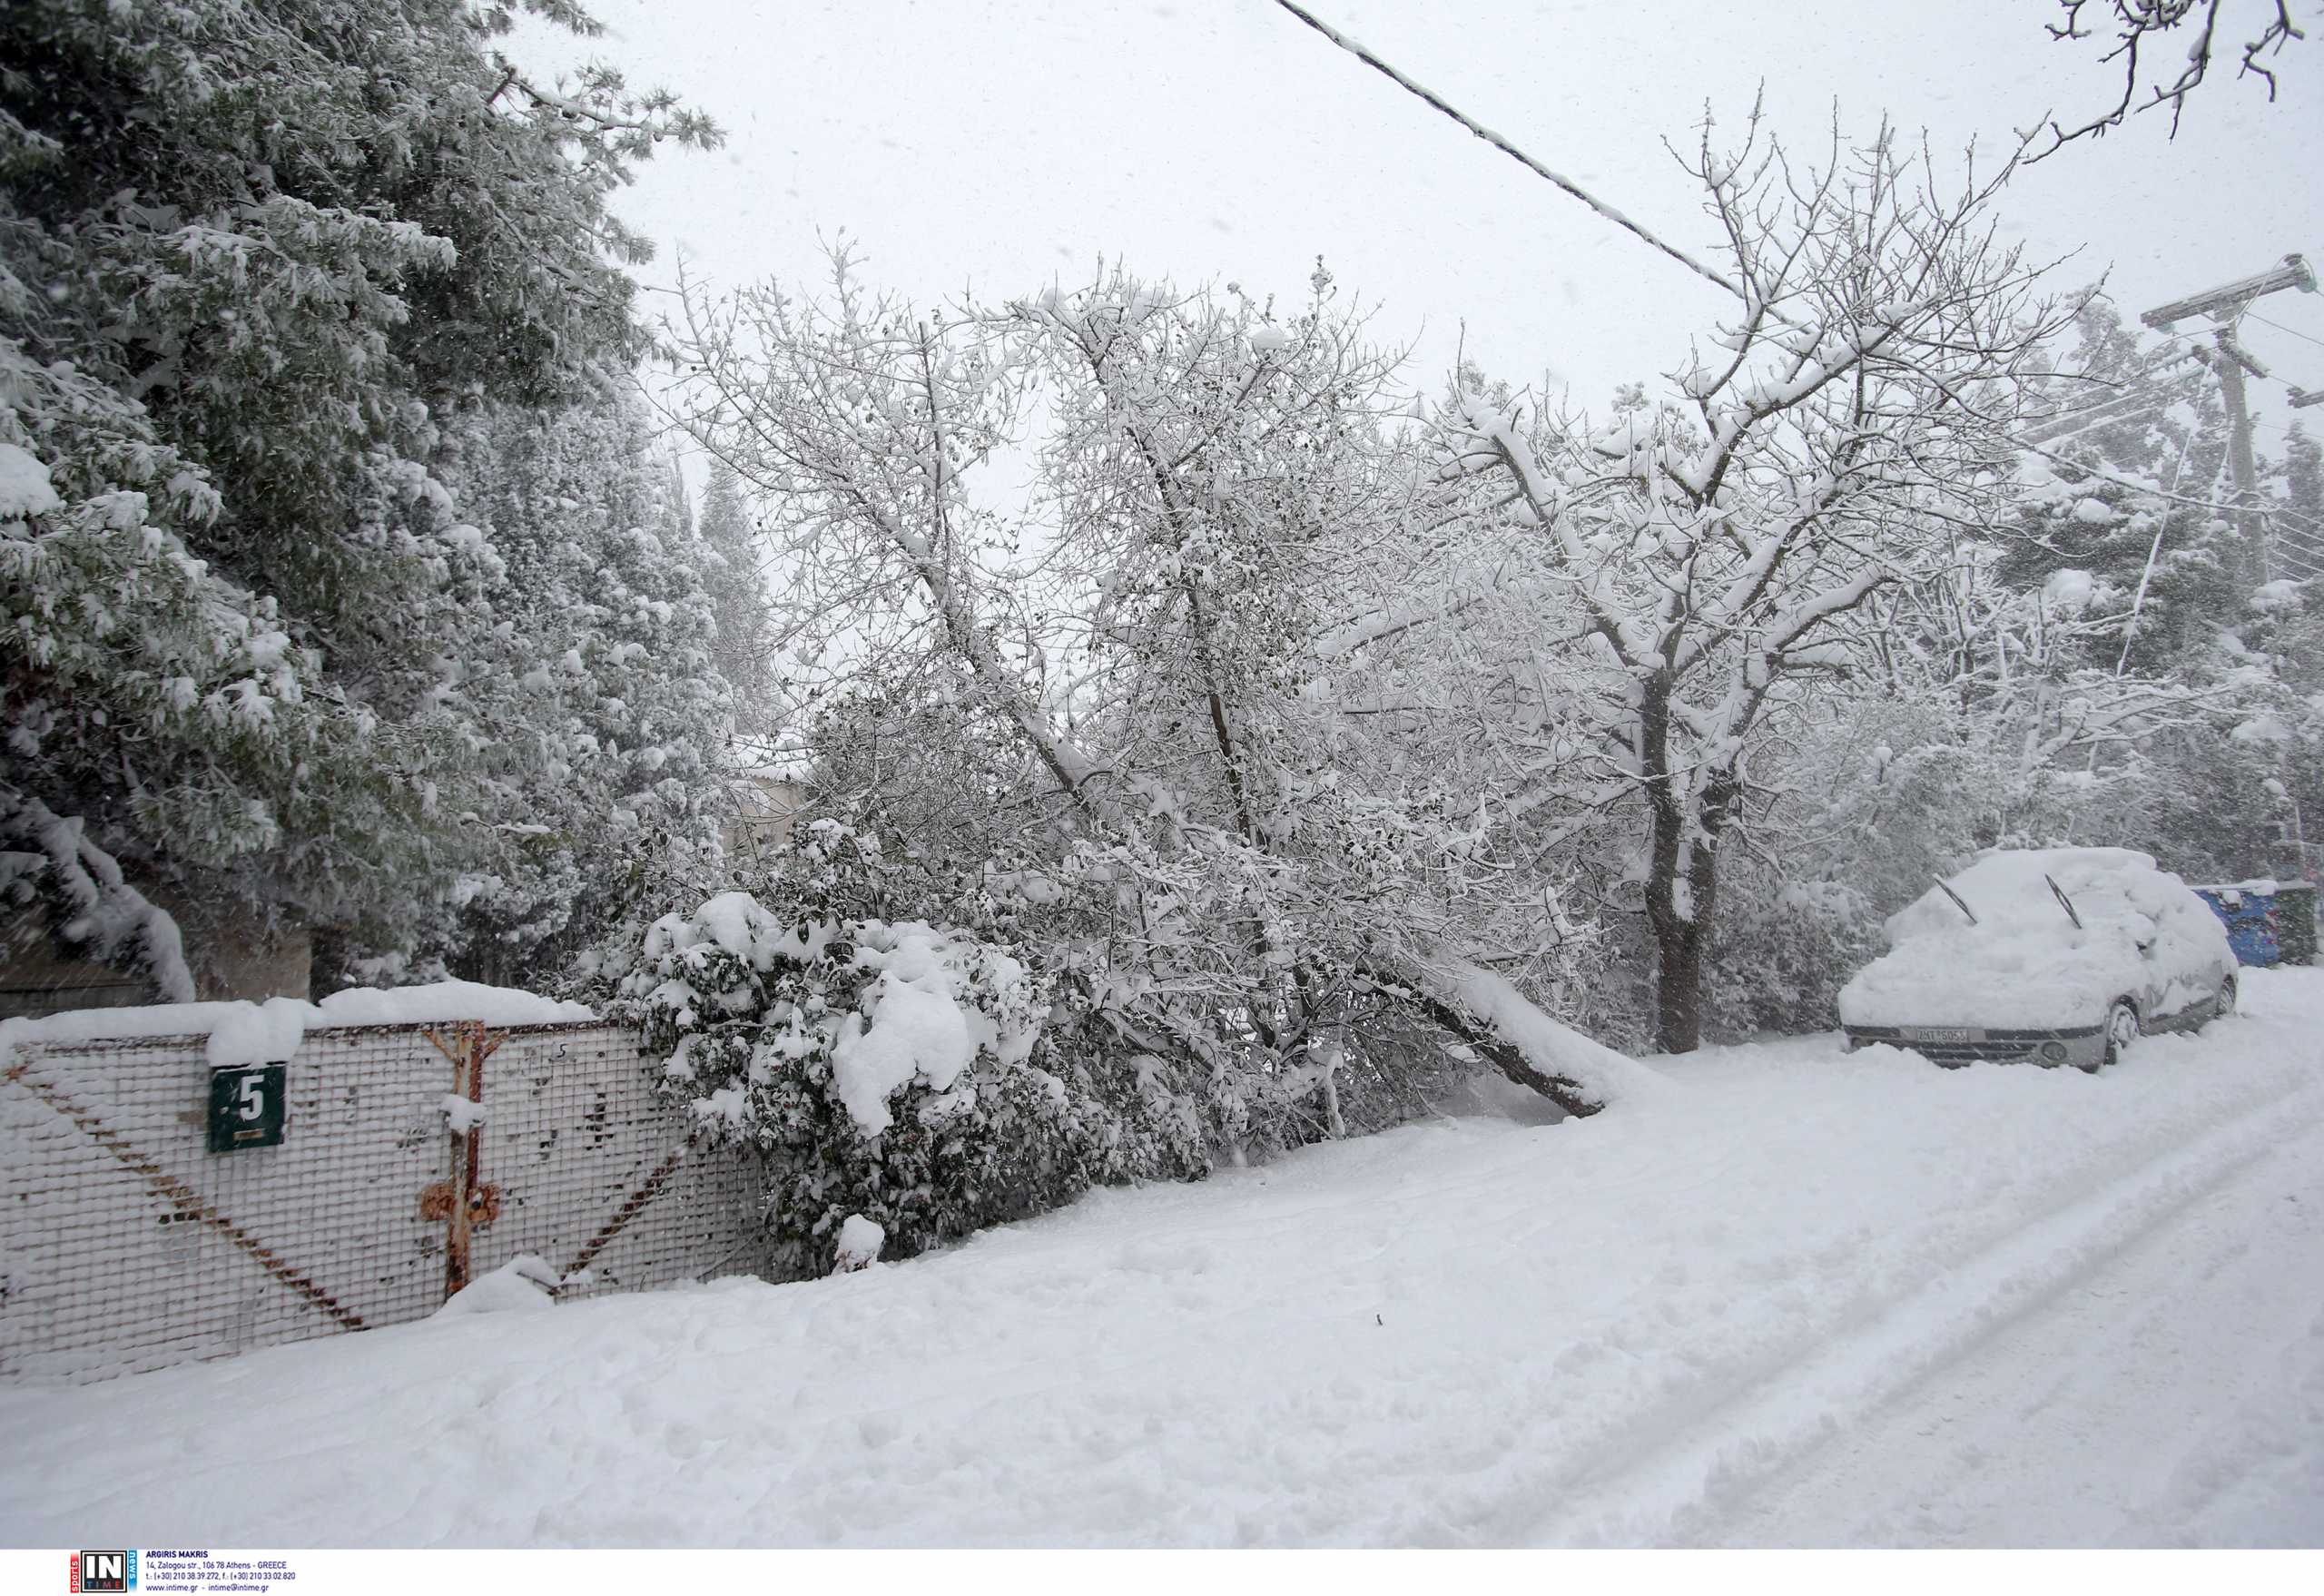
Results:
2249 917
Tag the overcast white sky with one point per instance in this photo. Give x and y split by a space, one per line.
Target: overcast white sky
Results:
1001 144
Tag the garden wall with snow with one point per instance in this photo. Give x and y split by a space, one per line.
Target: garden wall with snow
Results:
126 1243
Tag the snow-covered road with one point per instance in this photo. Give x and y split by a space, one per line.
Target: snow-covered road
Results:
1810 1299
2169 1393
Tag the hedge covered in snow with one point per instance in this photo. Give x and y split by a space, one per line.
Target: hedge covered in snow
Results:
894 1071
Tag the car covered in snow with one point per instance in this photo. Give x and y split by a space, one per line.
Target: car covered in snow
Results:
2043 956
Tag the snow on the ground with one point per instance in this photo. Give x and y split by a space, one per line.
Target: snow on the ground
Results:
1801 1298
522 1284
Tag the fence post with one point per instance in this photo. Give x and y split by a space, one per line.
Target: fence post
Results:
470 1047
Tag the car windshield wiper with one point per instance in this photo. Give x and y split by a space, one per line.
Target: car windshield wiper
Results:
2064 902
1957 904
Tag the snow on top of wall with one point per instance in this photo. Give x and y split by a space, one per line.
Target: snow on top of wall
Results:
257 1033
2263 886
238 1032
448 1000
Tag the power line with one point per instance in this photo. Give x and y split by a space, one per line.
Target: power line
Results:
2063 425
1567 184
2298 569
1506 148
1575 190
2149 491
2280 326
2302 542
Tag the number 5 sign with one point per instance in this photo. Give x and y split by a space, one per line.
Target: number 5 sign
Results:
246 1107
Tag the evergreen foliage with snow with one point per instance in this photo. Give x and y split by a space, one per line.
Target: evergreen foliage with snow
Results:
606 717
745 651
254 260
893 1071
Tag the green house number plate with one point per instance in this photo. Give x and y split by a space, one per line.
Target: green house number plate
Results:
246 1108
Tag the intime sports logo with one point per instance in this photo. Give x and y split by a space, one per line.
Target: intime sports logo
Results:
104 1571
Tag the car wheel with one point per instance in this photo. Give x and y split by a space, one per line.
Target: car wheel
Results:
2122 1031
2225 1002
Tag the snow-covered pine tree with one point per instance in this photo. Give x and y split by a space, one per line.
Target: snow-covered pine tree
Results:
251 256
2125 640
609 719
736 573
2117 515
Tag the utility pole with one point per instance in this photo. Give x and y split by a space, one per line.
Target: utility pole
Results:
2224 305
2250 529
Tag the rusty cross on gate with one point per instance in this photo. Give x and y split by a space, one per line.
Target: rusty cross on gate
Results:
470 1201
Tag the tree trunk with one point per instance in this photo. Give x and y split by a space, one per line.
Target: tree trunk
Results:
1510 1060
1682 873
1670 908
1678 986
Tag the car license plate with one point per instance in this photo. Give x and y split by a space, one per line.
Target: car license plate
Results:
1939 1033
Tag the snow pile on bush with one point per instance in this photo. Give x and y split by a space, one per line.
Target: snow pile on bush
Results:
919 1009
895 1072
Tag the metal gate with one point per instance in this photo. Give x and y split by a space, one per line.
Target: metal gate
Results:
126 1245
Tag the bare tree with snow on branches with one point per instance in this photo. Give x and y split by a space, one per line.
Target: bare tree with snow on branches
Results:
1242 889
1716 547
2137 24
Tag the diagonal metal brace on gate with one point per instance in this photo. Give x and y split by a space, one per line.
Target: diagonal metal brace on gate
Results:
633 1205
469 1046
183 1199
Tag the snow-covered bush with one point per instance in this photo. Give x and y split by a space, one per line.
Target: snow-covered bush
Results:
892 1071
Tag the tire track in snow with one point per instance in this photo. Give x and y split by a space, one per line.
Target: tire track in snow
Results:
2186 1411
1686 1458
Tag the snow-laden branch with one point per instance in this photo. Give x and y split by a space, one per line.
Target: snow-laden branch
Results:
50 855
1580 1074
